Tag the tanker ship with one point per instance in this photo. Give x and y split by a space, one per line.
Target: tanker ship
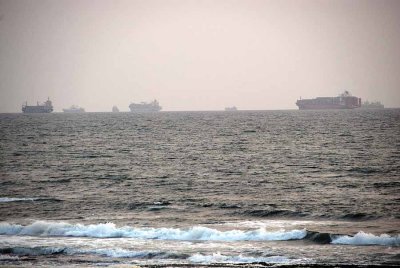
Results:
46 107
343 101
144 107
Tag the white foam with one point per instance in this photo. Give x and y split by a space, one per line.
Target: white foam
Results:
6 257
124 253
362 238
113 253
108 230
219 258
16 199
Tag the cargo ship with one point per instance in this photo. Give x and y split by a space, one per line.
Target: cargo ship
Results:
230 109
46 107
144 107
343 101
74 109
372 105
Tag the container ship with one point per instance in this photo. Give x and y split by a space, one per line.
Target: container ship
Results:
74 109
142 107
46 107
343 101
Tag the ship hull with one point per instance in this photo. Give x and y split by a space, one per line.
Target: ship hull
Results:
325 107
73 111
144 110
36 109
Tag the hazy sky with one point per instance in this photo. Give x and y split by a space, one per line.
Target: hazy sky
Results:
197 54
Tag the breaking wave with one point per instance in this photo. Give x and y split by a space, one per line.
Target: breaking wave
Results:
6 257
15 199
319 238
359 239
25 199
362 238
219 258
109 230
113 253
16 252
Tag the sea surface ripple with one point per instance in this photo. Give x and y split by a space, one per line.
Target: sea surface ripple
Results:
229 187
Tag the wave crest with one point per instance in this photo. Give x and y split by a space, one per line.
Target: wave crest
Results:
197 233
362 238
197 258
16 199
109 230
27 199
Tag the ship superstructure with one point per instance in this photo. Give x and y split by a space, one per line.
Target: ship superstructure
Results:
343 101
74 109
46 107
153 106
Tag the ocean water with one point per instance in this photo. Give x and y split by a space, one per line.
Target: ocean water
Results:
200 188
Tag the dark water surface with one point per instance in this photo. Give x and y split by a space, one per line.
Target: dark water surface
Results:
279 187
